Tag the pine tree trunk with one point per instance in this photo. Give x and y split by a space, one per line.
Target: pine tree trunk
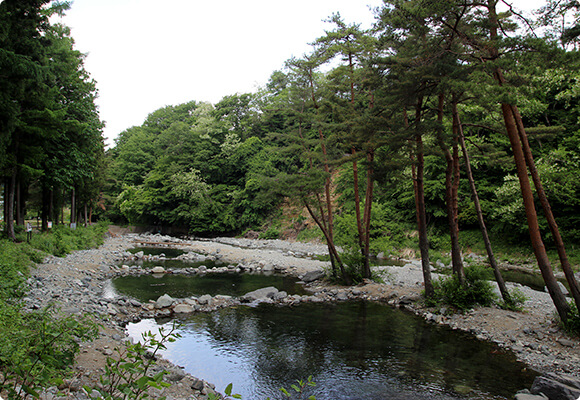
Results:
357 202
367 215
451 184
420 206
564 262
492 261
562 306
558 298
329 243
455 247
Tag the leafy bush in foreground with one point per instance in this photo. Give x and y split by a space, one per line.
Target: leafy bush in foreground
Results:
37 348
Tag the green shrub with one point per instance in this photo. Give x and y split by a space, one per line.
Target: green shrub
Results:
129 376
517 298
271 233
63 240
37 349
476 290
572 326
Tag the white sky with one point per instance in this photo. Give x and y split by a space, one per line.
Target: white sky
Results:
146 54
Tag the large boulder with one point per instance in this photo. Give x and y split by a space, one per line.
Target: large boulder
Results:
260 294
557 386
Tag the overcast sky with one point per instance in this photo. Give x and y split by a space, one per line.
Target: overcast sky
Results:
146 54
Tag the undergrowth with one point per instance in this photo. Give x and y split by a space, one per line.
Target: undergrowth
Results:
37 348
572 326
476 290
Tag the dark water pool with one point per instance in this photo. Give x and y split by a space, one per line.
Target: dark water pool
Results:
149 287
353 350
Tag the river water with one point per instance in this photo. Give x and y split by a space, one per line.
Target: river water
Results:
353 350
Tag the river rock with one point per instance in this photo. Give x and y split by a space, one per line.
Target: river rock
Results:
175 374
260 294
557 386
342 296
183 309
268 267
526 395
140 254
280 296
205 299
164 301
565 342
312 276
563 289
197 384
158 270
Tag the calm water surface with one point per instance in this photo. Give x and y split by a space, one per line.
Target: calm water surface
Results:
354 350
150 287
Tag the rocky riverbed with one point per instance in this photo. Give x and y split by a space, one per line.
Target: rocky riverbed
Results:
80 284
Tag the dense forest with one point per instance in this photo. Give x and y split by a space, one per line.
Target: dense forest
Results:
446 116
51 143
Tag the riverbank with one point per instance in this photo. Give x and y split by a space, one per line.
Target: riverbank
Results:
78 283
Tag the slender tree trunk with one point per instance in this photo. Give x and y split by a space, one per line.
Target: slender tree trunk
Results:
420 204
558 298
564 262
329 242
44 209
451 182
357 200
456 248
5 204
367 215
327 184
10 206
73 206
19 205
492 261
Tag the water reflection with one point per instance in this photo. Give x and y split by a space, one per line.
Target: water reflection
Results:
150 287
354 350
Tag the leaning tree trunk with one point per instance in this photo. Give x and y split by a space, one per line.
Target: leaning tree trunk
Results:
498 277
329 243
558 297
565 263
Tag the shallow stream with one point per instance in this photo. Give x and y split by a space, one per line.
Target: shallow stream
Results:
353 350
